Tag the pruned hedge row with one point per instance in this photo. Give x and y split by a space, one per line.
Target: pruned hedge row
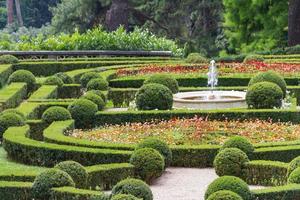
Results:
12 95
15 190
287 192
69 91
5 72
44 92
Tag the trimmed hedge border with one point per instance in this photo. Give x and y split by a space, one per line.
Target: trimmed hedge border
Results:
15 190
12 95
44 92
287 192
5 72
70 193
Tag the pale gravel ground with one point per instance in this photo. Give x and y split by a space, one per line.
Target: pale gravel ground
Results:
183 184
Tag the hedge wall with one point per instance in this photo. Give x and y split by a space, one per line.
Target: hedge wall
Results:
287 192
69 91
15 190
12 95
44 92
5 72
70 193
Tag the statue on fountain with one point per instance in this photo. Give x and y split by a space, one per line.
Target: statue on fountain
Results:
212 78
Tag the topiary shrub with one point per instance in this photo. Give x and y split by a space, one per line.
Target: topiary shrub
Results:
99 93
124 197
295 163
97 84
158 145
165 80
154 96
65 78
264 95
134 187
53 80
44 182
83 112
14 111
23 76
196 58
270 76
294 177
225 195
230 162
239 142
85 78
148 164
76 171
95 99
56 113
230 183
9 120
253 57
8 59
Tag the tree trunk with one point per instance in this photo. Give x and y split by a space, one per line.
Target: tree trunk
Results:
294 22
10 11
19 13
118 15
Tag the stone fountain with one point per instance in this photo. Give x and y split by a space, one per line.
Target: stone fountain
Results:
210 99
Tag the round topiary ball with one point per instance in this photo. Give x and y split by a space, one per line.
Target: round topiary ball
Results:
270 76
225 195
95 99
230 183
124 197
76 171
23 76
165 80
85 78
8 59
294 177
44 182
99 93
134 187
65 78
264 95
154 96
253 57
239 142
196 58
14 111
294 164
10 120
53 80
148 164
158 145
97 84
56 113
230 162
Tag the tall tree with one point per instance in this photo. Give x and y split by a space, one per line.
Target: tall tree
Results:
117 15
294 22
10 11
19 13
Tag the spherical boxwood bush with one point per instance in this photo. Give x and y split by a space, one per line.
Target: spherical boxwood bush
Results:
85 78
294 177
239 142
124 197
56 113
165 80
99 93
97 84
95 99
14 111
23 76
65 78
264 95
83 112
134 187
270 76
196 58
8 59
158 145
9 120
154 96
225 195
44 182
230 161
53 80
148 163
76 171
230 183
294 164
253 57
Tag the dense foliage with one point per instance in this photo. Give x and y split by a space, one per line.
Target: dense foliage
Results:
56 113
241 143
224 195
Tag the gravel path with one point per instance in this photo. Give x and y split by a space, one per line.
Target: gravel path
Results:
183 184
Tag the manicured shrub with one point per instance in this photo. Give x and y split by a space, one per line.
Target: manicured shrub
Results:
239 142
165 80
294 177
225 195
295 163
269 76
9 120
253 57
15 112
124 197
158 145
76 171
154 96
53 80
95 99
83 112
97 84
230 162
8 59
230 183
49 179
99 93
148 163
196 58
85 78
65 78
134 187
264 95
56 113
23 76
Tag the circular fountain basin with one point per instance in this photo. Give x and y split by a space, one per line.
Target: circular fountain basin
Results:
207 100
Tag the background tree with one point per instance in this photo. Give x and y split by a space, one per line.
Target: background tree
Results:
10 11
19 13
294 22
